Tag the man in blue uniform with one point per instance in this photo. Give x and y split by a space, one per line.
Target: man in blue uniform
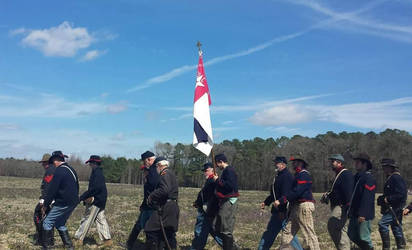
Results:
227 195
362 207
392 202
94 198
339 197
203 226
302 204
64 190
281 185
151 181
38 217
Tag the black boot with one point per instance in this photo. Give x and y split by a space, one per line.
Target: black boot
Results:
227 242
66 239
133 236
386 241
151 245
46 239
52 237
400 243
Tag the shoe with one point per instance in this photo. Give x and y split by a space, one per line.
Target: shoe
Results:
67 242
107 243
78 243
400 243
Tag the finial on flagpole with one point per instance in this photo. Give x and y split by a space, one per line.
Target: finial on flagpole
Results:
199 45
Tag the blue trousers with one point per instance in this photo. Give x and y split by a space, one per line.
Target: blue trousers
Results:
388 219
273 228
57 218
360 233
203 228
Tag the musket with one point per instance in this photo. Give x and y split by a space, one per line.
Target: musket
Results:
163 229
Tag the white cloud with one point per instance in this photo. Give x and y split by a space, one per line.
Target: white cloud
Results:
64 40
116 108
395 113
17 31
93 54
282 115
51 106
9 126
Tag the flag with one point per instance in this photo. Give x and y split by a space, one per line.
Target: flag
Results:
202 136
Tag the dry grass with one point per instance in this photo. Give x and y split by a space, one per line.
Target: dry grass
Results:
19 197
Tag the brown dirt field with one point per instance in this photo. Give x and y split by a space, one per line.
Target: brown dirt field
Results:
19 196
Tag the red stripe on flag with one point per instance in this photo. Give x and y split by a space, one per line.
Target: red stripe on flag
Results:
201 82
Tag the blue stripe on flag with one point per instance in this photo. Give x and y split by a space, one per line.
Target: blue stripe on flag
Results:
200 133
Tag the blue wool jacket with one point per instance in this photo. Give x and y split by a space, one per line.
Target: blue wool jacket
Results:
64 187
342 190
227 184
282 185
301 190
363 202
97 189
395 191
152 180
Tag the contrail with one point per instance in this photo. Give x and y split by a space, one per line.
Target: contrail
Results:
189 68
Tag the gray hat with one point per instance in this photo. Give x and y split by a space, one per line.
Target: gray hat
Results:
338 157
388 162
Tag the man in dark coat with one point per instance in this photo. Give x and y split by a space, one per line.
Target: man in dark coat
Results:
302 204
362 207
38 217
339 197
203 203
151 180
227 195
163 224
64 190
94 198
281 185
392 202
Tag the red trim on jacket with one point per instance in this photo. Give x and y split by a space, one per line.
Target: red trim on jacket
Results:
48 178
222 196
303 182
304 200
370 188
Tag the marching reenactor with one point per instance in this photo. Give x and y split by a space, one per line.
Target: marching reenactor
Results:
151 179
302 204
339 198
64 190
95 201
227 195
281 185
206 211
407 210
392 202
163 224
38 217
362 207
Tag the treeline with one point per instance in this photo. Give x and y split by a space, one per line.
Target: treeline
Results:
253 159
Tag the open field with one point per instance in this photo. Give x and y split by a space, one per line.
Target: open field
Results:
19 196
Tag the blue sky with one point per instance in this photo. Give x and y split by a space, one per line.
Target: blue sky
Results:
114 77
